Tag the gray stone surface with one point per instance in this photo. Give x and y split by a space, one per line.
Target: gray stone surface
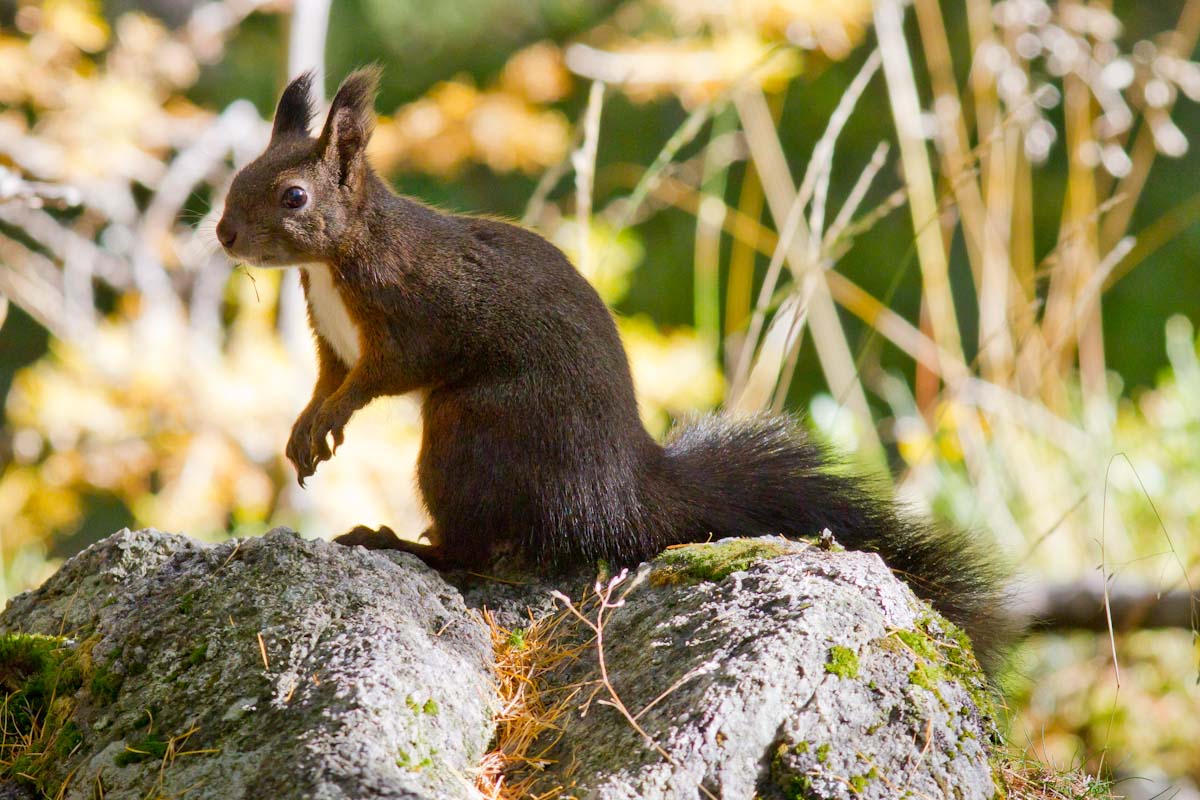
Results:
815 674
376 684
776 669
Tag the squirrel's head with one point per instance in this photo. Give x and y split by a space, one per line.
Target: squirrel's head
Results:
294 202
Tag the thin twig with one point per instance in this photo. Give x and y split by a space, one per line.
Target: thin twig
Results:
857 193
584 162
605 603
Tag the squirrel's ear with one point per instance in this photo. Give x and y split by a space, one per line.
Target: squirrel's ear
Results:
351 120
294 112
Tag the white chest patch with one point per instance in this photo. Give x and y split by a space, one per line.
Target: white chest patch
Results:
329 314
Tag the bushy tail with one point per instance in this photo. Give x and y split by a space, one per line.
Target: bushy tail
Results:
763 475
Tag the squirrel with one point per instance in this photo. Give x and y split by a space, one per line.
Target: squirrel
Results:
532 443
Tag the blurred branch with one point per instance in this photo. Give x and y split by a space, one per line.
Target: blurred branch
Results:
35 194
854 200
933 257
583 160
1079 605
624 209
306 43
62 241
306 51
651 68
33 282
996 399
1154 236
710 218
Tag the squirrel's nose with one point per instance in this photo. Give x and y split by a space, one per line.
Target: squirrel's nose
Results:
226 233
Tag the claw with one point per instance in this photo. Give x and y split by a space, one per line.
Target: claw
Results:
322 448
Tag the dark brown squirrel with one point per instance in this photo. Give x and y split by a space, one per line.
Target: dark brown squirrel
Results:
532 441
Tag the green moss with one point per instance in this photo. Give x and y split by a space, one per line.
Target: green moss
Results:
516 639
695 563
799 788
794 786
186 603
859 783
943 653
39 677
823 753
150 746
842 662
928 675
198 654
69 738
429 707
105 685
410 762
35 668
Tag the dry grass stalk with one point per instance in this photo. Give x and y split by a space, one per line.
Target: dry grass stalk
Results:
530 709
584 162
1028 779
762 381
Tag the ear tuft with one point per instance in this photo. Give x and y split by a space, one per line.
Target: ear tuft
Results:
351 117
295 111
357 94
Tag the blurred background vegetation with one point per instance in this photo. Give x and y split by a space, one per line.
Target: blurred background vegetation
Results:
959 236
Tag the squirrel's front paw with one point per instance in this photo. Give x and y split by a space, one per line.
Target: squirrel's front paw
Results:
331 419
299 447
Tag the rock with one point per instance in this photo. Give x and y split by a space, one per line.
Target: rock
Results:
774 669
757 668
374 683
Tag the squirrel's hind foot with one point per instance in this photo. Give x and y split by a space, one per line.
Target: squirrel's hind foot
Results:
386 539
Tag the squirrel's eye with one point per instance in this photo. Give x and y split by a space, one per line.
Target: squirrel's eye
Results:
294 197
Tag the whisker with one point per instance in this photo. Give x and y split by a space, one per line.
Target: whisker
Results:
253 282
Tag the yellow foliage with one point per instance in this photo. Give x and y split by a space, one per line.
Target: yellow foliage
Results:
77 22
99 116
918 444
537 74
614 255
456 124
674 372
